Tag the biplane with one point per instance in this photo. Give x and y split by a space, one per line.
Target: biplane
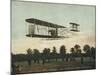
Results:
44 29
74 27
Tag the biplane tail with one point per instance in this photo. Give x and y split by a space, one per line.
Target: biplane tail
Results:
74 27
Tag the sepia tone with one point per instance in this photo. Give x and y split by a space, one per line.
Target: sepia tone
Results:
50 37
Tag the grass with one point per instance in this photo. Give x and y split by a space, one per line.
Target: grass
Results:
55 66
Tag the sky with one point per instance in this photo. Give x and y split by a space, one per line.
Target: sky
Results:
61 14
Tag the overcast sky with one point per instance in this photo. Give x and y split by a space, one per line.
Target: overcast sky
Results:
61 14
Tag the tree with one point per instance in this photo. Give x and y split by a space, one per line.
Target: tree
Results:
48 54
36 55
77 48
54 53
45 54
54 50
87 49
93 52
29 53
62 52
12 58
78 52
72 50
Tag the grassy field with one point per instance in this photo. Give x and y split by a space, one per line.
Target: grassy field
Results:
55 66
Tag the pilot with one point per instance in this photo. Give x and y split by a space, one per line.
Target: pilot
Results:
53 33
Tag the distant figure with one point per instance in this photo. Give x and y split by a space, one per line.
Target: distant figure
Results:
19 68
53 33
29 62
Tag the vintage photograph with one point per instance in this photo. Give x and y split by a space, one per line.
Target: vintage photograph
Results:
52 37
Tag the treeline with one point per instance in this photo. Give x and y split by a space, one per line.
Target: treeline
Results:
49 55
